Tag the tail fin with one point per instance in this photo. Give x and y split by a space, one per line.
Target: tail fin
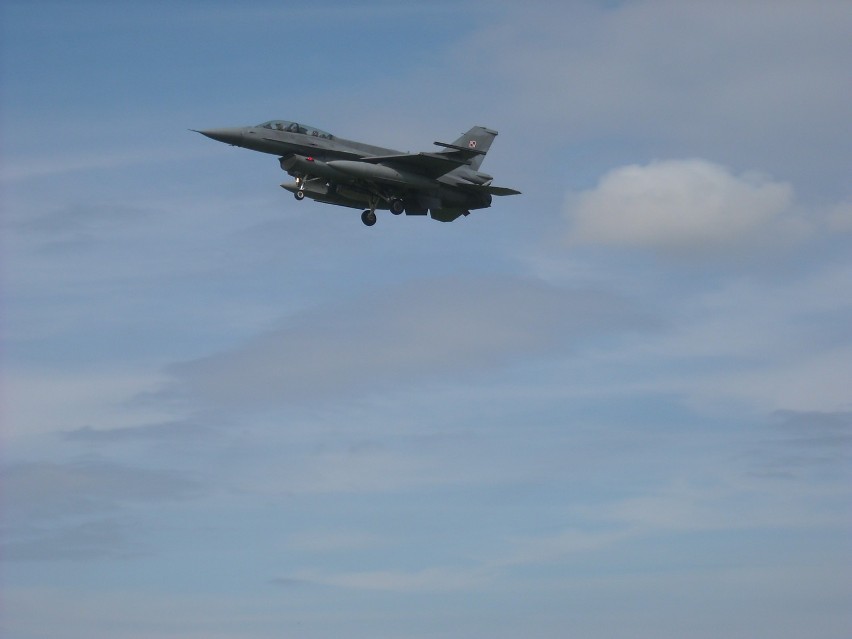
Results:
475 142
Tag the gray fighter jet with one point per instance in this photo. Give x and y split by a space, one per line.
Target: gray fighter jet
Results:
447 183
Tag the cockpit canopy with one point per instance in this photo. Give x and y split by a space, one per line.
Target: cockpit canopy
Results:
294 127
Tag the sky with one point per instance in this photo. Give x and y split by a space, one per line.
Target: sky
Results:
618 405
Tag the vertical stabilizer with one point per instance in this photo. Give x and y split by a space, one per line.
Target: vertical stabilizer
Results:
478 139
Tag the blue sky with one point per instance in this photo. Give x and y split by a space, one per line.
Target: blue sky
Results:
617 405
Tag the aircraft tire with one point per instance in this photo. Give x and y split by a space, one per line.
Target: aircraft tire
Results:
368 218
299 195
396 206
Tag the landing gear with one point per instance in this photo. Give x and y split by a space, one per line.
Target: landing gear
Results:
368 217
396 206
300 194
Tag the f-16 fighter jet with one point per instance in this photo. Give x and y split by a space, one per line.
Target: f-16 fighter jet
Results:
446 184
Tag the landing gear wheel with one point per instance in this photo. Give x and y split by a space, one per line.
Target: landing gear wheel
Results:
299 195
396 206
368 218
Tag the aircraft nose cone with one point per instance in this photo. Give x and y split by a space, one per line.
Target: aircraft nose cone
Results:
228 136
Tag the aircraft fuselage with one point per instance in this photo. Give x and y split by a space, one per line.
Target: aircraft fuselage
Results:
344 172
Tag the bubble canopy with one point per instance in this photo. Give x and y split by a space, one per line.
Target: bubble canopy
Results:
295 127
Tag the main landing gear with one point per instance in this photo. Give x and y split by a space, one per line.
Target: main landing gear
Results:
396 206
368 217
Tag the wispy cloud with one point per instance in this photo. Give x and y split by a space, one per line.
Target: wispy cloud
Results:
428 580
799 444
167 431
48 490
431 329
68 510
322 542
406 419
17 169
92 540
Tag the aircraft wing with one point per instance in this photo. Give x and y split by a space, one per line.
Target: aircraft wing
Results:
432 165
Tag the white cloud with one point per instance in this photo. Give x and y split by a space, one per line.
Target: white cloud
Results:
678 205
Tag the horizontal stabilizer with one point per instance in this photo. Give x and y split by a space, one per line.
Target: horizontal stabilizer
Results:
501 190
493 190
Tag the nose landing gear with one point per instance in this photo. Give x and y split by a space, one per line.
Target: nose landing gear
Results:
300 194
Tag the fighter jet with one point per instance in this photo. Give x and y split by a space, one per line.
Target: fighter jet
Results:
446 184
